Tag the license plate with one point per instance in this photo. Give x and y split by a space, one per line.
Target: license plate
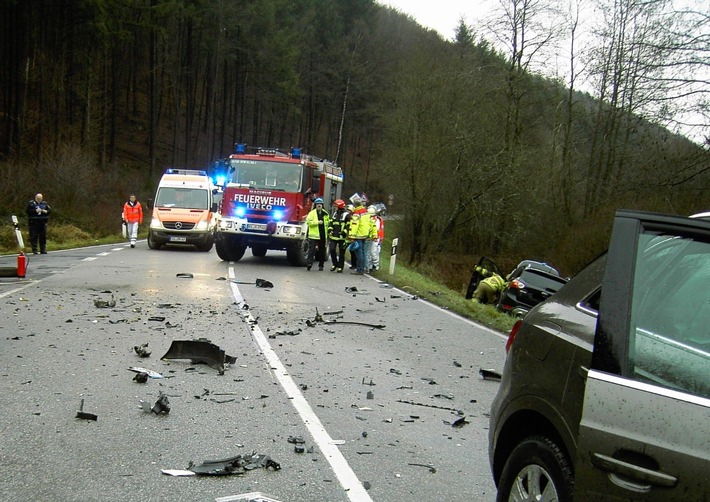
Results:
256 226
178 239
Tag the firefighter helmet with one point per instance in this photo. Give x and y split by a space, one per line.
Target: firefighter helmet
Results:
340 203
372 210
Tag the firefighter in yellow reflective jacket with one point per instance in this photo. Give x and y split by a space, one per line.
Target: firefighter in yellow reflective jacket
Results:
359 232
489 288
317 221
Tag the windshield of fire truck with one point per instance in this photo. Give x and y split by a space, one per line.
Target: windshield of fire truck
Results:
186 198
266 175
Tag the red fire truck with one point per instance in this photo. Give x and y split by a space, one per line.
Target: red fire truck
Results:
266 199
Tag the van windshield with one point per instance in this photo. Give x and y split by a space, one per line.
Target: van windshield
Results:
185 198
266 175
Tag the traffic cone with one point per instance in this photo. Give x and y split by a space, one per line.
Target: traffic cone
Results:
21 265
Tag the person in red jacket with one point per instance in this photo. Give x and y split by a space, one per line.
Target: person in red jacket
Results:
132 217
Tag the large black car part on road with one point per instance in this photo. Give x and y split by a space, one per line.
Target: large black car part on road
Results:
605 394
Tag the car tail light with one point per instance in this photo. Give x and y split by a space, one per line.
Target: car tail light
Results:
516 284
512 335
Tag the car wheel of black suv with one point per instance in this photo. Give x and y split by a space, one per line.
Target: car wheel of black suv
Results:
537 469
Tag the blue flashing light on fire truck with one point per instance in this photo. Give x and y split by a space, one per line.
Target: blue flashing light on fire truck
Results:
266 199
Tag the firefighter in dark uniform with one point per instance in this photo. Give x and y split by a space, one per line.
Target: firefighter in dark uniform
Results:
38 213
337 235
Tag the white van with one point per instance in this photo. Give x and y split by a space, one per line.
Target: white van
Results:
182 210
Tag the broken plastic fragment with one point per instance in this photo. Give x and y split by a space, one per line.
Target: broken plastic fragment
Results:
161 405
140 377
234 465
142 350
489 375
184 275
199 351
83 415
459 423
105 304
263 283
151 373
247 497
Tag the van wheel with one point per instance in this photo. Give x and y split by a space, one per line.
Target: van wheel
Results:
258 251
152 244
206 246
537 469
298 253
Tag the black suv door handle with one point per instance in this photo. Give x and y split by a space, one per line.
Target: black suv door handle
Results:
631 473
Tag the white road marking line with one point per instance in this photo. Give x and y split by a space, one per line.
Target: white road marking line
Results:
89 258
348 480
105 253
117 249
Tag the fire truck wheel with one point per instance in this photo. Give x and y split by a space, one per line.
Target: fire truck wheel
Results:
259 251
297 254
227 250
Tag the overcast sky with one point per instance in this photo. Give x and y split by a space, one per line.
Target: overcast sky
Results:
442 15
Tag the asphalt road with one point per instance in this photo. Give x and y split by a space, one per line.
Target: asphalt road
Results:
374 402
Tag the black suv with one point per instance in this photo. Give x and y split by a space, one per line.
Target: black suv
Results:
605 394
529 284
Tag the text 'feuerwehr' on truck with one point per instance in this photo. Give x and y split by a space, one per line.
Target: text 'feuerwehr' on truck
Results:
183 210
267 196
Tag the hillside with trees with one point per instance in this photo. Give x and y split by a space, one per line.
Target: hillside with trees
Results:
480 150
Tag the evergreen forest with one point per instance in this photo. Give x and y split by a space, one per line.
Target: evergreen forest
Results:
472 144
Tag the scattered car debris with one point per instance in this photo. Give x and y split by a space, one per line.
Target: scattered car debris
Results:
141 377
457 424
298 442
226 467
142 350
184 275
200 351
376 326
444 396
247 497
162 405
105 304
351 289
263 283
150 373
457 364
429 406
489 375
293 332
157 318
431 468
83 415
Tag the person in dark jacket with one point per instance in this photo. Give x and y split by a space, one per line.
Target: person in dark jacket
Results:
38 213
337 235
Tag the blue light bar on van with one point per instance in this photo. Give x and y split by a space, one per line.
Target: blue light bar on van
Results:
296 152
192 172
240 148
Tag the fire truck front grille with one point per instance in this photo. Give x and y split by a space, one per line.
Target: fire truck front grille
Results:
178 225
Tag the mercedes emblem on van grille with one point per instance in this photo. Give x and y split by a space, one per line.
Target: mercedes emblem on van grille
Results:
178 225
